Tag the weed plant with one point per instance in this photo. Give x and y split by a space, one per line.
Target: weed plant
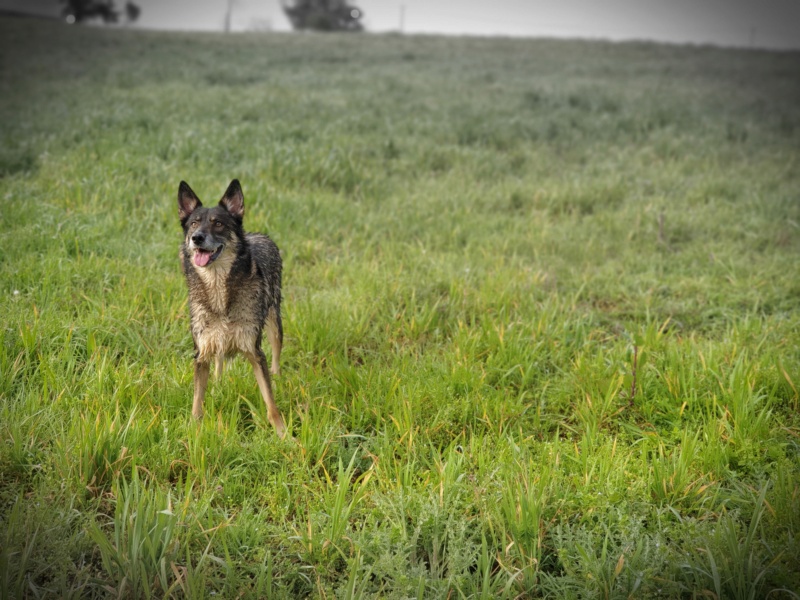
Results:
542 313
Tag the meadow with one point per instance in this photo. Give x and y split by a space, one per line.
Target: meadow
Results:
541 303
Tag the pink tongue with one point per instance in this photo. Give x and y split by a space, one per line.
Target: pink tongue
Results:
201 258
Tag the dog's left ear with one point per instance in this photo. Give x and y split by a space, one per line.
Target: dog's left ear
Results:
233 200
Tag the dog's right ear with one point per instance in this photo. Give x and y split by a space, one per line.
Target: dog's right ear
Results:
188 202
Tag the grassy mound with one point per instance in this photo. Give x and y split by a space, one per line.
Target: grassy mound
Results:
542 311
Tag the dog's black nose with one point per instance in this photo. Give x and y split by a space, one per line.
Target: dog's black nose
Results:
198 238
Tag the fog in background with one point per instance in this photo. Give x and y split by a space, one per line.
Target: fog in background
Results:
749 23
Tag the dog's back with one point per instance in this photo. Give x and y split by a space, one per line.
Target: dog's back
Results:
268 260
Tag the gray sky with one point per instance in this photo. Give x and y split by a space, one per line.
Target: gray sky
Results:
766 23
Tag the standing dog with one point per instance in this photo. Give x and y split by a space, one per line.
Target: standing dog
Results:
234 281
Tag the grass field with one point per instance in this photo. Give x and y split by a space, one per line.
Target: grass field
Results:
542 312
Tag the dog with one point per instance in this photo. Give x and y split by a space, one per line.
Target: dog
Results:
234 281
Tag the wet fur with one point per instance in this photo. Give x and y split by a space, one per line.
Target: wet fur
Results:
234 297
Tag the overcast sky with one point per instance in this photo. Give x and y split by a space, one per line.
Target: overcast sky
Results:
763 23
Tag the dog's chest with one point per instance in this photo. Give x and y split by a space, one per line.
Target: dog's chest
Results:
223 335
214 291
223 323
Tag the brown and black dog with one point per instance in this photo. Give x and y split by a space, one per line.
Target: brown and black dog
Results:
234 281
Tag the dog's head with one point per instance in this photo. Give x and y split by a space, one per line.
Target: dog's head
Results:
210 233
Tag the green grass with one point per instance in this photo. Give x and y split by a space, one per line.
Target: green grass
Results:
542 312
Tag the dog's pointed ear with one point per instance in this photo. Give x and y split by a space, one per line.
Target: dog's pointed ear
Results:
233 200
188 201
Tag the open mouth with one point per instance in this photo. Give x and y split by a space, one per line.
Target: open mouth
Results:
203 258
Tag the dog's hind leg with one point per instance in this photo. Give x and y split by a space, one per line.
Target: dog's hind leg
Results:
275 335
200 382
259 362
219 365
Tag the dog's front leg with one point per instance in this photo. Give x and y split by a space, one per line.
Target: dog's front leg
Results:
259 362
201 370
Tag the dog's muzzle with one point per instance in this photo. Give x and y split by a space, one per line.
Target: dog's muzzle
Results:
203 258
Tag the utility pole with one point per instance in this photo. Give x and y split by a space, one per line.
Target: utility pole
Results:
228 14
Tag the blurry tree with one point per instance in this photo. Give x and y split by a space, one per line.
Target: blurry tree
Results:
84 10
132 11
324 15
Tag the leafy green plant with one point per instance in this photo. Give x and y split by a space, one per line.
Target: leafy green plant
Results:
326 531
138 551
14 565
98 450
675 480
522 506
733 563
